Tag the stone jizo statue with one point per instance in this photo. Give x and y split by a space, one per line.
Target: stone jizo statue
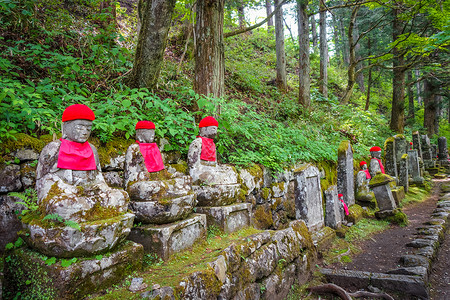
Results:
70 184
363 177
376 165
157 195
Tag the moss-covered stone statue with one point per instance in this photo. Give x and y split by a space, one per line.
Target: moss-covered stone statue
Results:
376 165
363 194
215 184
157 196
71 187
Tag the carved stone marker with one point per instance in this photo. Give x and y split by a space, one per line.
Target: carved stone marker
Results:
380 186
403 174
443 152
414 168
401 147
390 165
427 153
334 210
416 143
345 181
308 197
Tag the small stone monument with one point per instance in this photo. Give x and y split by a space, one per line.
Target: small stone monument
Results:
382 190
79 216
216 185
345 181
414 168
363 194
334 209
427 153
390 158
416 143
403 174
161 197
308 197
443 152
401 147
376 165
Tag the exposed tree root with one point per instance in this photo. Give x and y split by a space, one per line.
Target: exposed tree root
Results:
343 294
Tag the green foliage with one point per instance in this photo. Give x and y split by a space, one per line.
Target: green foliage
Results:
68 262
29 200
59 219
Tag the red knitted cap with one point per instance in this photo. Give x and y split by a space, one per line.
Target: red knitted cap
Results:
208 121
375 149
410 143
340 195
78 111
145 125
362 163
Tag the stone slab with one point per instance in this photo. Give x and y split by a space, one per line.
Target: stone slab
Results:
228 218
216 195
323 237
27 272
167 239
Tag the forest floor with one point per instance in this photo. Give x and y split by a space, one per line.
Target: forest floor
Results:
382 252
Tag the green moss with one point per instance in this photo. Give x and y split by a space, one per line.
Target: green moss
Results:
255 171
355 213
400 136
181 167
113 148
265 193
241 195
23 141
380 179
405 156
263 217
302 168
399 218
330 178
302 229
343 146
158 176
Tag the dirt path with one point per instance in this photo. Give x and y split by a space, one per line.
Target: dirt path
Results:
383 251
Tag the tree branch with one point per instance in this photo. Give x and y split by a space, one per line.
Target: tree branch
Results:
242 30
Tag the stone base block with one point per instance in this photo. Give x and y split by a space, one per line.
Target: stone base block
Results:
228 218
383 214
432 170
323 237
167 239
31 275
216 195
398 194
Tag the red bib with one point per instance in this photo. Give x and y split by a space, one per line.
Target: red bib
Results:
152 156
367 174
381 165
208 149
345 207
76 156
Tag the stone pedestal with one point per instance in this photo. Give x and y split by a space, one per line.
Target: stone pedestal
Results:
216 195
403 174
414 167
35 276
380 186
308 197
345 182
334 210
390 163
167 239
398 193
443 152
228 218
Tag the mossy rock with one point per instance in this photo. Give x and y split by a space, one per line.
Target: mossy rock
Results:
22 141
355 213
263 217
181 167
380 179
343 146
113 148
399 218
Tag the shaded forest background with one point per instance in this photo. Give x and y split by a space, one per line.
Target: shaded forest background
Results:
281 94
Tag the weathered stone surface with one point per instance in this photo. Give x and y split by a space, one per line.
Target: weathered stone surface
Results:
25 154
277 286
220 268
418 271
430 230
211 175
334 210
442 149
382 191
401 146
165 293
9 223
345 181
114 179
323 237
137 284
390 164
416 143
253 180
28 175
414 167
428 252
347 278
355 214
420 243
116 163
308 197
167 239
92 238
442 204
414 261
403 172
398 193
216 195
81 278
229 218
154 190
200 285
363 195
10 175
163 212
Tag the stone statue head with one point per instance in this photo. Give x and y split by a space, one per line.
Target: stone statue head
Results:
375 152
363 165
145 131
77 130
77 123
145 135
208 127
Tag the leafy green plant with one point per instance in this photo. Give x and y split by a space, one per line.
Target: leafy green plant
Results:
68 262
58 218
29 200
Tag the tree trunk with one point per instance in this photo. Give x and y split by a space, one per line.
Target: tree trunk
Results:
323 80
303 40
359 74
337 42
369 81
314 32
209 52
281 58
418 88
410 98
241 14
345 49
157 16
268 12
398 80
351 76
430 115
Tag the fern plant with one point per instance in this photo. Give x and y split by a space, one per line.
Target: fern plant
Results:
29 200
58 218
